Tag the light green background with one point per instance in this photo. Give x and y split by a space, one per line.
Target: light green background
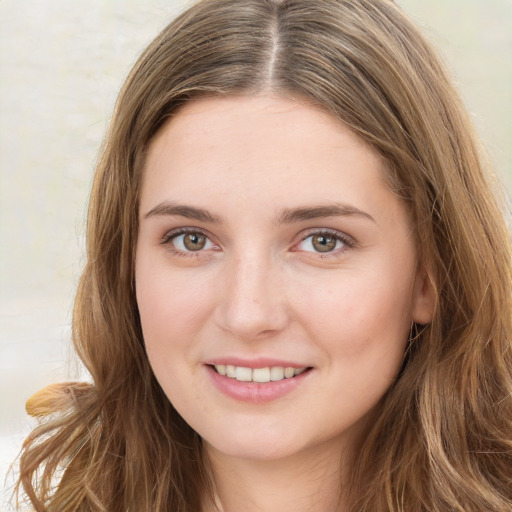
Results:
61 65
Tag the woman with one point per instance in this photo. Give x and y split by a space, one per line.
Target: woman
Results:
297 291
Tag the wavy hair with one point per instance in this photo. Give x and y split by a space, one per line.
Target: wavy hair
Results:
442 436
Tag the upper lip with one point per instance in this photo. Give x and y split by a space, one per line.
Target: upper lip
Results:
262 362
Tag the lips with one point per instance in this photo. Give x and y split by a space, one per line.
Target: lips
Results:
260 381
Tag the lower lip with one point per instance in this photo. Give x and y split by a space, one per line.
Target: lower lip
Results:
256 392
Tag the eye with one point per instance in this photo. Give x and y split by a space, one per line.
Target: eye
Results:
323 242
188 241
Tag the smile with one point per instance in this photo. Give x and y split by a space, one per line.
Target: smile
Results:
267 374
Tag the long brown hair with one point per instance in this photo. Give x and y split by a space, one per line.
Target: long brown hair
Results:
442 438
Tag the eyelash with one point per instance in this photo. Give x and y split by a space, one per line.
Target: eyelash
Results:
347 241
172 235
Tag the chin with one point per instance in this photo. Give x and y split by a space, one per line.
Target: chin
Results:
254 445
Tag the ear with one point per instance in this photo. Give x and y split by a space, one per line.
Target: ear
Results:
423 297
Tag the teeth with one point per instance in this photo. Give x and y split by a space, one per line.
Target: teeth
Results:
243 374
267 374
261 375
277 373
289 372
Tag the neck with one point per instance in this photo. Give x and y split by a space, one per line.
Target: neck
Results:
304 482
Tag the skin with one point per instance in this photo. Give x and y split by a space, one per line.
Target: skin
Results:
258 287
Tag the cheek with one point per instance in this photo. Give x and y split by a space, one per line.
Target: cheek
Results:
363 333
169 313
170 300
172 312
362 321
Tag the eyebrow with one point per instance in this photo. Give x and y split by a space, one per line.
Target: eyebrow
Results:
287 216
316 212
190 212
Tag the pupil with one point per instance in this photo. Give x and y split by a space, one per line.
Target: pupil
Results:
194 242
324 243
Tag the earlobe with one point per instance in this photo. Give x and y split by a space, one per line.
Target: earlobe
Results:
424 297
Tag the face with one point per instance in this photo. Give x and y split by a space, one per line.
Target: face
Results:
276 275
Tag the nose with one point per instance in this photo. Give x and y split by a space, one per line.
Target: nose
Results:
252 299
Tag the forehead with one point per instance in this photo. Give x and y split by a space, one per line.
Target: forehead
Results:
261 149
242 116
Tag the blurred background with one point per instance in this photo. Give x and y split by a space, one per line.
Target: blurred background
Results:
61 66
